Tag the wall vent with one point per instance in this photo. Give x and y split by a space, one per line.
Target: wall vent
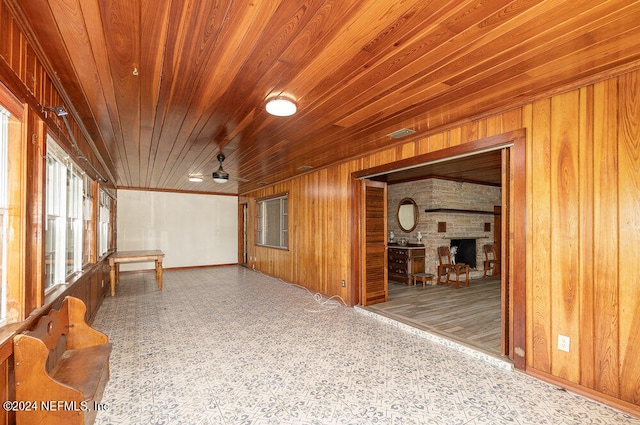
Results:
401 133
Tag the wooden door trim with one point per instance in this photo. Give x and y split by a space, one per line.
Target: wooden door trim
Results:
356 240
496 142
241 234
517 164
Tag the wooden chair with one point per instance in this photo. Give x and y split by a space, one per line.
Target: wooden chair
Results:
491 264
446 267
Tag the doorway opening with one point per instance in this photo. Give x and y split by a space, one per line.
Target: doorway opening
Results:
469 315
243 242
488 314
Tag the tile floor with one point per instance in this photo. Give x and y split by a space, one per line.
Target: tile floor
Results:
228 345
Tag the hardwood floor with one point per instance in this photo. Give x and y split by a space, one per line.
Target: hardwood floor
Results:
467 315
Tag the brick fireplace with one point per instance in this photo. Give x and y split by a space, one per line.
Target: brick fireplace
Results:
448 202
465 252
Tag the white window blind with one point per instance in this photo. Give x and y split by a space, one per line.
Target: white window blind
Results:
273 222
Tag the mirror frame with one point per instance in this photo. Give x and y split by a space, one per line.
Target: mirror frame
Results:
408 201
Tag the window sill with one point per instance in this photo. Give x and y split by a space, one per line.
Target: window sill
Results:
281 248
8 331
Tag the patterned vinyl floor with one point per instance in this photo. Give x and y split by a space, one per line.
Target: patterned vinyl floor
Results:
227 345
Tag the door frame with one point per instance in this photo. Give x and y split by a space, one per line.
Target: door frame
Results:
243 243
513 258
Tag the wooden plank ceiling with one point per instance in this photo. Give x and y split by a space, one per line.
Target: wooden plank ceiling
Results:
162 86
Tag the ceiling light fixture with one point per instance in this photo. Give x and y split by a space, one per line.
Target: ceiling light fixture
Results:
220 176
281 106
195 179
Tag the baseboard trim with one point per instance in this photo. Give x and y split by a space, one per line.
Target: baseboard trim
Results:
615 403
164 269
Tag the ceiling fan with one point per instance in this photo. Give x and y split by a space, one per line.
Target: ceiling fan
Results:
221 176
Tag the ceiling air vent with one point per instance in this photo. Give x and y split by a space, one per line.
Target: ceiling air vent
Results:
401 133
305 167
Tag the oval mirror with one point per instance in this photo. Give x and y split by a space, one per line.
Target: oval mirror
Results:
407 215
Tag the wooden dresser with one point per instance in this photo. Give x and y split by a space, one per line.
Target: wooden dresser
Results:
404 261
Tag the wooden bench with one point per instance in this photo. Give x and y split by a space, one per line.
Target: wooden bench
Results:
61 368
423 277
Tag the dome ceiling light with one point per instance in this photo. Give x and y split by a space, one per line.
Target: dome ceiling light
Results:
281 106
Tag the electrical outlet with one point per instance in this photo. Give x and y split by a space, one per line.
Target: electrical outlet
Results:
563 343
344 284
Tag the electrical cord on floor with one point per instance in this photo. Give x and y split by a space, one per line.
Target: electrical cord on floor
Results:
324 304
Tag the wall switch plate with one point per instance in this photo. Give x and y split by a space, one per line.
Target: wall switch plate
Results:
563 343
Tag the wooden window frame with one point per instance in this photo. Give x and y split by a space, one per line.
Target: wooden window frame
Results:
261 235
14 264
106 228
65 190
89 221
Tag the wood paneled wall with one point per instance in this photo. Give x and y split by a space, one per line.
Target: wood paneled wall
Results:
583 178
583 231
319 232
321 205
25 77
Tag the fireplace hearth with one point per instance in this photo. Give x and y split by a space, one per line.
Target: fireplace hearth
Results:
465 251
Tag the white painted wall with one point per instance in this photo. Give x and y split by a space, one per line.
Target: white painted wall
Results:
191 229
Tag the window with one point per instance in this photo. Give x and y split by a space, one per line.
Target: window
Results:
12 199
273 222
104 231
51 249
63 232
4 205
88 221
73 238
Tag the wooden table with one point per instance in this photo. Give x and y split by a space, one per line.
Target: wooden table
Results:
134 257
